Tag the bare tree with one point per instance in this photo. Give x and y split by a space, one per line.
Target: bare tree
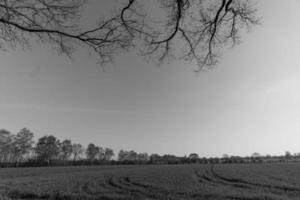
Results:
109 153
23 144
66 149
77 151
101 153
192 30
92 151
6 146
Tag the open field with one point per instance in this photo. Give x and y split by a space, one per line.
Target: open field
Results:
228 181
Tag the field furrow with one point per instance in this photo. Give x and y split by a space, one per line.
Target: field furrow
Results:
156 182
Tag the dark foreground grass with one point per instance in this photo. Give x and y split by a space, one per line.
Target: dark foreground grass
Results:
173 182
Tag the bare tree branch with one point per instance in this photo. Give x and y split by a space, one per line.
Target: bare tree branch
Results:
193 30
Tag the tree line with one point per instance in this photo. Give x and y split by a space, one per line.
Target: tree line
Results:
20 150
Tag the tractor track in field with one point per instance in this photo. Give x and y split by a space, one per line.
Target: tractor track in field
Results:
205 178
142 190
210 176
253 184
135 189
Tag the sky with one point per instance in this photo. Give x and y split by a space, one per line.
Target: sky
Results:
249 102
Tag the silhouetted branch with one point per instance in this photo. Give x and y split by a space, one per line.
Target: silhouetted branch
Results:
193 30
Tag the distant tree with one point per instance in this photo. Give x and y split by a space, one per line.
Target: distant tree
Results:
256 158
3 136
256 155
143 157
155 158
225 156
66 149
132 155
23 143
193 157
77 150
109 153
92 151
101 153
47 148
127 155
121 155
297 155
288 155
6 146
170 159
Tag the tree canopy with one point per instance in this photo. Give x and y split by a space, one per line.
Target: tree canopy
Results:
191 30
47 148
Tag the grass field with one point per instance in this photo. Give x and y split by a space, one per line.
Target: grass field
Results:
228 181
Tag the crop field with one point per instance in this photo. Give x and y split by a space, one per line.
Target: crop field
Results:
223 181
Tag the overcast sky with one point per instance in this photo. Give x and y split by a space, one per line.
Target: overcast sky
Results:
250 102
